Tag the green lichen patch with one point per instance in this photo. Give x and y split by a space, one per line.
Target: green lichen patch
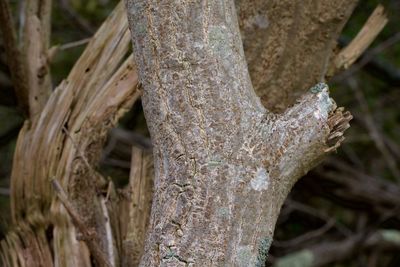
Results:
263 248
325 104
318 88
223 212
218 38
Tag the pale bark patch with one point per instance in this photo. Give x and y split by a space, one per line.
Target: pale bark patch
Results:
261 180
244 254
326 104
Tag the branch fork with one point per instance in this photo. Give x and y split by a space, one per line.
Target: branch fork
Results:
211 133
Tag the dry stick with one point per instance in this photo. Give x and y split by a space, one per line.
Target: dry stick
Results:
74 44
35 43
348 55
108 228
54 49
373 130
139 210
369 57
14 59
89 236
378 67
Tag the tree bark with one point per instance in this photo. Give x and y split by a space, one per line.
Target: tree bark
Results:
223 163
289 45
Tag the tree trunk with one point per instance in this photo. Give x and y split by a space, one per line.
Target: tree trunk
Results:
223 163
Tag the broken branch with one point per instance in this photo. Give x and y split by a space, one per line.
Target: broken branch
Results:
89 236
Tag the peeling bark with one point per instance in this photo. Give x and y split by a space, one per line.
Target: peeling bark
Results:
224 164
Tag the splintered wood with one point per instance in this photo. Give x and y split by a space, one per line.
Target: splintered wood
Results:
65 141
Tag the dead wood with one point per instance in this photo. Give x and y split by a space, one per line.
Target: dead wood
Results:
100 88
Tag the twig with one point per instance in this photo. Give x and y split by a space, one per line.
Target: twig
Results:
358 187
116 163
373 130
374 25
318 214
119 142
353 157
131 138
79 21
18 73
393 146
368 57
81 154
383 69
89 236
307 236
74 44
108 228
54 49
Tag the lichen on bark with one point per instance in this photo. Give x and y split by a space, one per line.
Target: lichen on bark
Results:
224 164
263 249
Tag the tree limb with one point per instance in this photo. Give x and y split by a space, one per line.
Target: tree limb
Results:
372 27
224 163
35 45
18 72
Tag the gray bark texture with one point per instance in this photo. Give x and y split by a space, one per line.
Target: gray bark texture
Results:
289 44
224 164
